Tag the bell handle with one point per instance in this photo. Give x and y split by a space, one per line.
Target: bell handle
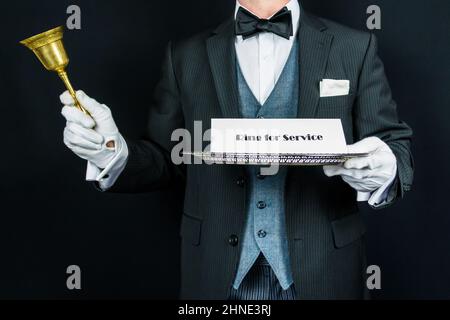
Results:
63 75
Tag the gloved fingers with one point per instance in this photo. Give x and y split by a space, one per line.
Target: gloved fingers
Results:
372 161
355 173
95 108
359 179
81 152
376 160
331 171
369 182
88 134
361 187
66 99
73 140
366 145
358 163
339 170
75 115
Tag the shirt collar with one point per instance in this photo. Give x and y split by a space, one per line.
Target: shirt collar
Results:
291 5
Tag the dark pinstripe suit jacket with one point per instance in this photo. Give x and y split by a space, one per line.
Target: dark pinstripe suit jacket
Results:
324 228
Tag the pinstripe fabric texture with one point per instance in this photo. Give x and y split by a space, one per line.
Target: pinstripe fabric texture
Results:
261 283
325 232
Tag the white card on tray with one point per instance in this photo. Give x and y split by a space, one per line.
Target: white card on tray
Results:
278 136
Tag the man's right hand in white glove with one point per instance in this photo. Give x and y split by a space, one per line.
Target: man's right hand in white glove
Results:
95 139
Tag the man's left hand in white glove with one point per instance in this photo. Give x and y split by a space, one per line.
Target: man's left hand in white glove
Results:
370 173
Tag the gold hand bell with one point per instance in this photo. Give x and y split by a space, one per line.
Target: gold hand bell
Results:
49 49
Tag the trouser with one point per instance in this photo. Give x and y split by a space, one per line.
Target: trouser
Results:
261 283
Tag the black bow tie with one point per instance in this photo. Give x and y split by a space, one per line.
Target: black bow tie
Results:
249 25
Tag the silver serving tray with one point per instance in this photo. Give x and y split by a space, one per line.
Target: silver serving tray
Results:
280 159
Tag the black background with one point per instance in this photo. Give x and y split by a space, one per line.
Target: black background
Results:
127 245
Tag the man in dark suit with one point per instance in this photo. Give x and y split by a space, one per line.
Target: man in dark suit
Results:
296 235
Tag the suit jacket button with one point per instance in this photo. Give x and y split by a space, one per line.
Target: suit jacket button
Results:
240 181
233 240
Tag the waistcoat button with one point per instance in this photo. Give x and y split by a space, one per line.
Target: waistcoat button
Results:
262 233
261 205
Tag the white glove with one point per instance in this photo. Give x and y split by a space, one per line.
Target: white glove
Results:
367 174
94 139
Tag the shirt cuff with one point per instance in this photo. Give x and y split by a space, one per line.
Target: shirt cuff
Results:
108 176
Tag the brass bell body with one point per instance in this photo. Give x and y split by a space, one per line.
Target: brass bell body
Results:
49 48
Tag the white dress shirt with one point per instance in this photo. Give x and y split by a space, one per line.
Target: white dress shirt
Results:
261 59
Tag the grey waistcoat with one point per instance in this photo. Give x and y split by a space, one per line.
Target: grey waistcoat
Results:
265 230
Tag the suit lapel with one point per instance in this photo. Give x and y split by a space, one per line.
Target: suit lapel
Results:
313 56
222 59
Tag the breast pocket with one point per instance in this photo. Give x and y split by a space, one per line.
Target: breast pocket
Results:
336 107
345 100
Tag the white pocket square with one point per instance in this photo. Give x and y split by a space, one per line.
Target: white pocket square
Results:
334 88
